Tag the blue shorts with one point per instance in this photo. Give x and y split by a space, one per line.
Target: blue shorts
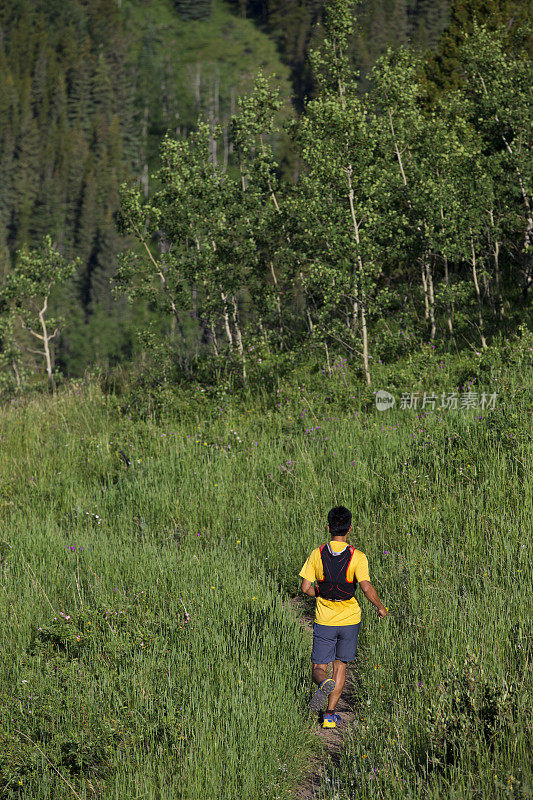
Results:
332 642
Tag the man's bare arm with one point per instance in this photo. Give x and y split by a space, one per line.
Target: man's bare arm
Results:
308 588
371 594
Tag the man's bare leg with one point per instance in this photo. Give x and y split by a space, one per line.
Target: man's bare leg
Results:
339 676
320 677
319 673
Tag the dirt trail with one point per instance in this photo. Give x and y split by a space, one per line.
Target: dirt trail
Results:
329 738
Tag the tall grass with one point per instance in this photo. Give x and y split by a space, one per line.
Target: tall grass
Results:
182 671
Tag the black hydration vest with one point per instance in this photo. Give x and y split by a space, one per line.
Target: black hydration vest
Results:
335 585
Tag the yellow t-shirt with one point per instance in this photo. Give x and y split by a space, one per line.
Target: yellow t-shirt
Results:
336 612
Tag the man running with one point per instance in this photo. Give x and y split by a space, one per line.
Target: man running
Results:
337 567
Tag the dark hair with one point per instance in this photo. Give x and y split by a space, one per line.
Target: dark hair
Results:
339 520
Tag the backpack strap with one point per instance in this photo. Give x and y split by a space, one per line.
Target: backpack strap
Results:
352 549
317 591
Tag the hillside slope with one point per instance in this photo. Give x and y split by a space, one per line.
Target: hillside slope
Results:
192 68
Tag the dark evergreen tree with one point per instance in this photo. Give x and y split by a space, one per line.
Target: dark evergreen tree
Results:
106 245
194 9
86 233
27 165
80 97
444 69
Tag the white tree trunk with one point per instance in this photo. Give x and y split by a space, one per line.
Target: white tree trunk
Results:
431 299
478 293
328 364
238 336
425 288
213 337
46 338
449 306
276 294
499 298
365 343
225 316
360 299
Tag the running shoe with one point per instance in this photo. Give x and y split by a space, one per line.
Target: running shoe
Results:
321 694
331 720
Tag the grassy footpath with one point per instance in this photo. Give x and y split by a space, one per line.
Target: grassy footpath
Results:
179 672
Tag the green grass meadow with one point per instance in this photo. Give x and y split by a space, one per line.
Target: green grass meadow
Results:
147 645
